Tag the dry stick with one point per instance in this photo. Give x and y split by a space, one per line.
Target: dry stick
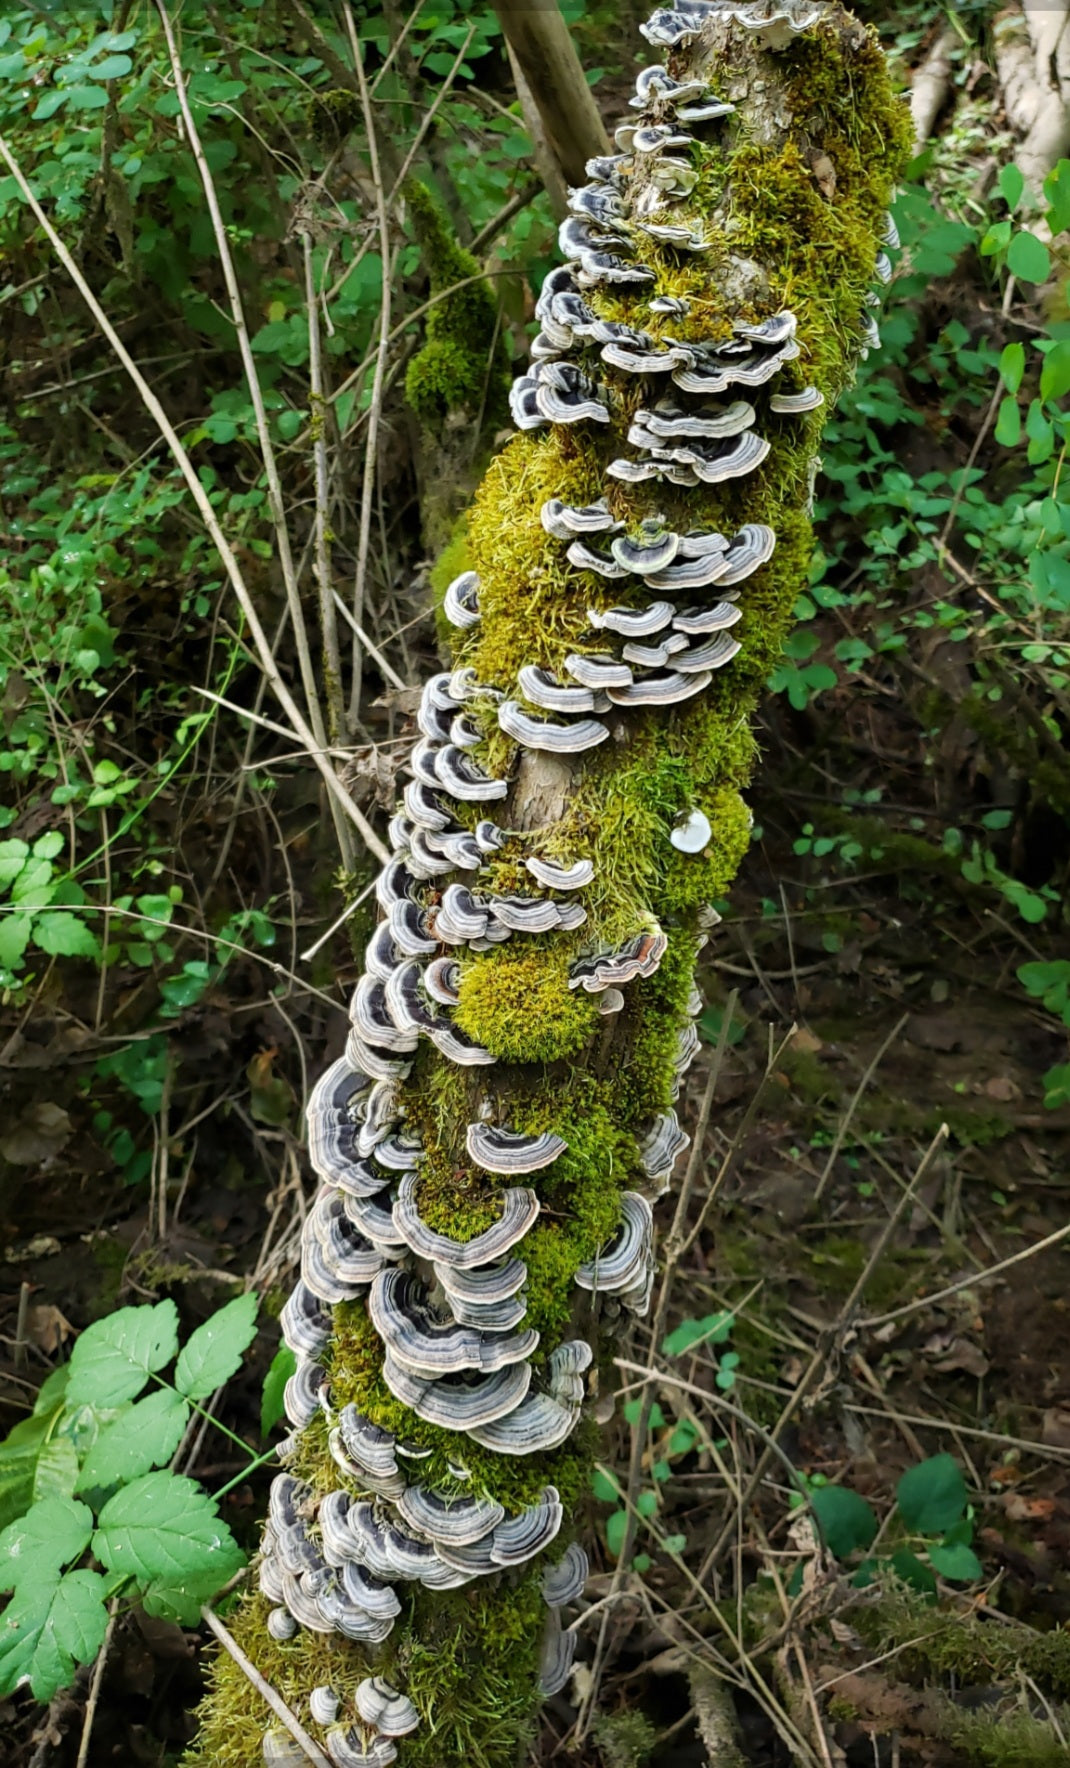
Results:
928 1301
332 656
267 724
845 1122
673 1251
376 655
95 1684
299 727
1045 1451
265 1690
267 452
375 408
825 1342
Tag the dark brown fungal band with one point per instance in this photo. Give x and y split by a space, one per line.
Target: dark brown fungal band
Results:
574 812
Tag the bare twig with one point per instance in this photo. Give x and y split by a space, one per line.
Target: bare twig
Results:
332 657
975 1277
266 1692
95 1684
382 353
373 651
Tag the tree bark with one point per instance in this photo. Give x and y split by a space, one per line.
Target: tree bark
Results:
539 38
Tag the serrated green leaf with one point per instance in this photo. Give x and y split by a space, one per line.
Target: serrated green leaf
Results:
215 1351
283 1364
932 1496
42 1542
49 1629
144 1437
13 856
15 933
63 935
114 1358
181 1599
56 1473
165 1527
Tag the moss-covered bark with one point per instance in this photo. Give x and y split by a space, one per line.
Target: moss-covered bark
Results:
789 194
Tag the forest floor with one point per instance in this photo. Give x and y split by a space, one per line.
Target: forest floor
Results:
855 1244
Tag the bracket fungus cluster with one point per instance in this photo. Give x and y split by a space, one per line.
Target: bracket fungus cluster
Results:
491 1142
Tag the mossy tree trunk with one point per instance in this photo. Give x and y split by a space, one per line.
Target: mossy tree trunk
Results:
785 192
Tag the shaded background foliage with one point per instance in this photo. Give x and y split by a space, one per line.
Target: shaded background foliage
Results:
168 872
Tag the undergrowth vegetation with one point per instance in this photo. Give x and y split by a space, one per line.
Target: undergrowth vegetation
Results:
170 875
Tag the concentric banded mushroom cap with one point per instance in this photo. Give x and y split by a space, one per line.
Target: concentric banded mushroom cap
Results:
539 1423
606 267
441 980
645 554
655 86
429 1347
488 1316
713 619
460 604
482 1284
424 807
558 1652
459 1402
525 914
633 622
390 1552
474 1561
566 1366
279 1749
564 521
563 1583
751 547
462 778
306 1323
545 691
523 409
337 1263
714 654
353 1748
586 233
301 1395
456 1522
463 733
380 953
323 1704
790 403
281 1625
662 1145
374 1218
565 395
655 656
393 882
408 1007
400 1154
507 1151
600 673
531 1532
557 877
459 915
558 739
379 1704
666 688
520 1207
458 1047
425 859
603 969
677 305
587 558
371 1017
618 1262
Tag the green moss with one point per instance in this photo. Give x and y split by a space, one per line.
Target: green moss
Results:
332 116
462 367
935 1643
518 1004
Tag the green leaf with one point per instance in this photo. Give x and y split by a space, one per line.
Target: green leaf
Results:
14 938
955 1560
63 935
42 1542
181 1599
47 846
1012 366
114 1358
164 1526
605 1487
1055 374
56 1473
144 1437
646 1503
283 1364
713 1329
1008 431
50 1629
215 1351
847 1521
909 1567
616 1529
674 1543
1011 185
34 887
932 1496
1028 258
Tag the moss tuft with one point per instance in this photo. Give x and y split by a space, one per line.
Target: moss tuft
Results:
518 1005
462 367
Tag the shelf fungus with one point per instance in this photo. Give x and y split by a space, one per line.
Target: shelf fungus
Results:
490 1144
